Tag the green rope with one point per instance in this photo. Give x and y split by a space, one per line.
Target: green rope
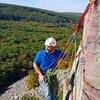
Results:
52 72
66 52
75 67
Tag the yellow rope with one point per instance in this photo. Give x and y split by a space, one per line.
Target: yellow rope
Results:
75 69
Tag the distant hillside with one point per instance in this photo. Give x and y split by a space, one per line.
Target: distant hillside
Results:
23 31
21 13
71 14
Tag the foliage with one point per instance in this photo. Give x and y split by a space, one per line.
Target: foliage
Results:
60 94
14 12
53 82
62 64
31 81
28 97
23 34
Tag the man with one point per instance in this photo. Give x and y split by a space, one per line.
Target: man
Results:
44 60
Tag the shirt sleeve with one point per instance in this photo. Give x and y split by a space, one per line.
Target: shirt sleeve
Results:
37 59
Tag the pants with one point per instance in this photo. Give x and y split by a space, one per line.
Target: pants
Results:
48 92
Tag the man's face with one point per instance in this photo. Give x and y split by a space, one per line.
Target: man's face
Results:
49 49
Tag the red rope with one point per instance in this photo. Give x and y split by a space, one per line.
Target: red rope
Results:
79 24
78 27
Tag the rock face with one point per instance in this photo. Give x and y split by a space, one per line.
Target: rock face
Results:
87 81
88 73
18 89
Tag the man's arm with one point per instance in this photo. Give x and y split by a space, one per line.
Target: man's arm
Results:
41 76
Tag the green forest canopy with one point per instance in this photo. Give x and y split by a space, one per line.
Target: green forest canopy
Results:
23 31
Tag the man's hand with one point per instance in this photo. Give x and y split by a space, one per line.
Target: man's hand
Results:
69 87
42 78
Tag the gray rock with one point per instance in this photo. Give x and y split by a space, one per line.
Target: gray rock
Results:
19 89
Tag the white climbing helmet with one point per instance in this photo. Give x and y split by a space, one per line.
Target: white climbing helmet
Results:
50 42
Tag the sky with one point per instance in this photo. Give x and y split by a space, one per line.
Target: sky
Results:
53 5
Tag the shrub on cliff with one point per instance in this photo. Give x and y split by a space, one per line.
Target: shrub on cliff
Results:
28 97
31 81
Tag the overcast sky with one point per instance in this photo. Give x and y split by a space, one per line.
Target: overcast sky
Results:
54 5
